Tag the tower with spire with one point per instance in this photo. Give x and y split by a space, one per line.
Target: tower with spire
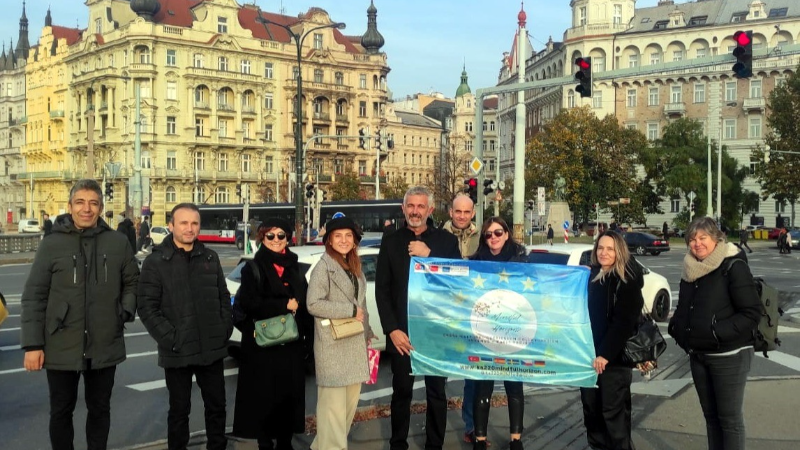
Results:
463 88
23 45
372 41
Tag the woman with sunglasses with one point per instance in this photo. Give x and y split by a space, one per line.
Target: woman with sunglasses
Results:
337 290
615 304
496 245
270 394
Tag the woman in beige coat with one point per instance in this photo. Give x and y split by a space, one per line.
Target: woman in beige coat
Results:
336 290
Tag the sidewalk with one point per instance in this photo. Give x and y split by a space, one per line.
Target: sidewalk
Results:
554 421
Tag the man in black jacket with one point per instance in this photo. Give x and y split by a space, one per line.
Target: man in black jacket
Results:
80 291
186 308
417 238
126 227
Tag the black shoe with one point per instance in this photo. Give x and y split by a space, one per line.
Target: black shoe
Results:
266 444
515 444
479 445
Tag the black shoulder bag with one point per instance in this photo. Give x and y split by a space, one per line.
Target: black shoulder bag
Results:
646 344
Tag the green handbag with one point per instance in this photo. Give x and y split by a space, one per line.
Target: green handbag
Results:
276 330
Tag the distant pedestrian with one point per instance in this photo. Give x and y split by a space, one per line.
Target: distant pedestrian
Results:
550 234
717 313
47 225
80 292
743 236
144 235
665 231
185 306
127 228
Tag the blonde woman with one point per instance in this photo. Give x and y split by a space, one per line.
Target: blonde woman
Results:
615 303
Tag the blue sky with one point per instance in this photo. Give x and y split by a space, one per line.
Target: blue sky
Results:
427 41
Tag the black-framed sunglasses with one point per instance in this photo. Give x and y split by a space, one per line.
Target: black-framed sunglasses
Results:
272 236
498 232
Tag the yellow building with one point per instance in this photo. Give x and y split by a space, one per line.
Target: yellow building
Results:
217 83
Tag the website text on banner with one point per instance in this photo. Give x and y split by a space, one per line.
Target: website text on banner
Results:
500 321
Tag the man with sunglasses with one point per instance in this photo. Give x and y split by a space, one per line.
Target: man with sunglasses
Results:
417 238
185 306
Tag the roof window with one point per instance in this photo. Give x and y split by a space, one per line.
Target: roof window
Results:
697 20
661 25
778 12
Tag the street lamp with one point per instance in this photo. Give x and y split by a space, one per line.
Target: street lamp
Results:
298 138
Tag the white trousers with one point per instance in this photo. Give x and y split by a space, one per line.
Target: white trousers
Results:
336 407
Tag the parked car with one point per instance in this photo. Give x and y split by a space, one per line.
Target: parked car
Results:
794 238
28 226
656 292
157 234
308 257
644 243
774 233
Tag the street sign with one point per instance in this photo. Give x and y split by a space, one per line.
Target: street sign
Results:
540 195
501 185
476 165
624 201
566 225
613 203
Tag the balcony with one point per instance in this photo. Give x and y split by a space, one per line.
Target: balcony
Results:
370 179
675 109
291 84
754 104
56 174
342 118
225 107
204 73
57 114
322 116
248 109
201 105
141 68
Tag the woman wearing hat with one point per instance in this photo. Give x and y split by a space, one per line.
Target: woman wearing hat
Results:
270 394
336 290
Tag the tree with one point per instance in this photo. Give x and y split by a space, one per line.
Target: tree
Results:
395 189
451 171
780 177
596 157
346 187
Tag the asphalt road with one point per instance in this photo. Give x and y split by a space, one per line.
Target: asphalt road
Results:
139 403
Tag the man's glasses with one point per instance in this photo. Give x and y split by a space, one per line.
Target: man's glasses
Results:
272 236
498 232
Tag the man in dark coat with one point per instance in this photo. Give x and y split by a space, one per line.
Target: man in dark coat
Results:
127 228
185 306
743 236
47 225
144 235
550 234
80 291
418 238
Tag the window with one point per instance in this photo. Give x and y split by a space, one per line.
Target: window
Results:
269 166
655 58
268 132
172 57
617 14
675 205
661 25
631 98
597 100
98 25
697 20
467 127
172 90
778 12
245 66
362 81
197 61
338 165
362 167
145 159
755 88
700 93
676 93
222 195
701 52
652 131
780 207
318 75
652 96
570 99
340 108
738 17
339 78
362 109
222 127
246 127
199 161
268 100
144 89
598 64
633 60
144 55
318 41
199 126
631 126
729 129
245 163
582 16
172 160
200 96
753 165
491 125
268 70
222 162
730 91
755 128
200 194
171 125
677 55
172 196
222 24
222 65
468 145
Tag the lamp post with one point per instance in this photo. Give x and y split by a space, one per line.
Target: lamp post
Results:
298 138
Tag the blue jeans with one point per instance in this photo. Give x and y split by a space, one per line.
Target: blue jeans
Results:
467 406
720 381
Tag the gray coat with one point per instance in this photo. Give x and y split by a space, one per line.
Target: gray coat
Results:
331 296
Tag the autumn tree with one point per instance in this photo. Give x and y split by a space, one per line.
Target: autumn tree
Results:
596 157
394 189
449 175
346 187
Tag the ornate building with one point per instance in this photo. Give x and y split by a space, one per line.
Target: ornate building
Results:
653 65
217 83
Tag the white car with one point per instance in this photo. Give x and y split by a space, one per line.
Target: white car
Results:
28 226
656 292
308 257
157 234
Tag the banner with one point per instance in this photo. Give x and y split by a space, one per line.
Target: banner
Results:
500 321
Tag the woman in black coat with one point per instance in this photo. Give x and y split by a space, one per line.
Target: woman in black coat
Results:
615 304
496 245
270 394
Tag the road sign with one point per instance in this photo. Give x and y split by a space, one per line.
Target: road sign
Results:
566 225
476 165
624 201
613 203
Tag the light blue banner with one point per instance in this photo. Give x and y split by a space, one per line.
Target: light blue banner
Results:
500 321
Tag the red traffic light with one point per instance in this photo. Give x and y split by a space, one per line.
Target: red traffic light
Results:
472 183
741 38
583 64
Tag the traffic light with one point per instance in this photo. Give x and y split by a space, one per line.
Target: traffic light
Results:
362 138
743 53
584 76
693 206
529 205
472 189
321 196
390 143
310 190
110 191
378 141
239 190
488 187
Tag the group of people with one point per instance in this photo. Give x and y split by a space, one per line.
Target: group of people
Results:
85 284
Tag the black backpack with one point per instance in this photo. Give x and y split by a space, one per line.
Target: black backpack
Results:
766 335
239 316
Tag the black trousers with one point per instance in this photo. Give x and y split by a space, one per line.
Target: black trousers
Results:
402 390
607 410
482 405
63 386
211 381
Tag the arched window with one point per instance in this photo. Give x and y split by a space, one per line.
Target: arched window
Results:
221 195
172 195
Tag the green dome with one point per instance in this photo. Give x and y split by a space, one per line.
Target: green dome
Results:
463 88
